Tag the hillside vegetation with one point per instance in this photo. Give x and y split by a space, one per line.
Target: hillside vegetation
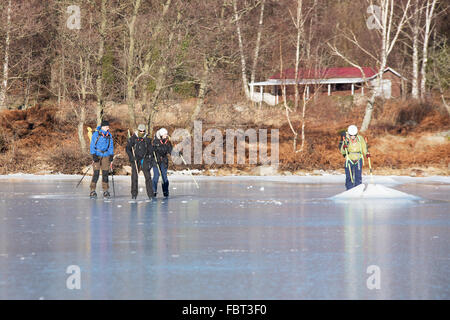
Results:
405 138
66 66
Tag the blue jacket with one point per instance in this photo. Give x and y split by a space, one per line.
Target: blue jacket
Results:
102 143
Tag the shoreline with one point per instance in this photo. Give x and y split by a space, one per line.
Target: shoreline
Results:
261 171
299 179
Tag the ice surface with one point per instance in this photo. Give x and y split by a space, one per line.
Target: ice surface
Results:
226 240
373 191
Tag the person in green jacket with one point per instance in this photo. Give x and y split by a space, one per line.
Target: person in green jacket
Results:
354 148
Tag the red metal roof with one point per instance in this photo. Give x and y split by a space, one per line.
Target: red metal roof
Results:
326 73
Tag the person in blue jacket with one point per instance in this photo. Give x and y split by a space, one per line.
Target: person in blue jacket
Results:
102 151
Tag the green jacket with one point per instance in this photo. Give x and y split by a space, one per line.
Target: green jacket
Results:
355 149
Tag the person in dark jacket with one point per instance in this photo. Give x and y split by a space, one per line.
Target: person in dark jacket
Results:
102 151
139 149
162 147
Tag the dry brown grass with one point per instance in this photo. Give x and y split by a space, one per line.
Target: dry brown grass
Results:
45 137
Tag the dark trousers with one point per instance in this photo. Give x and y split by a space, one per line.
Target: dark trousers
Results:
165 181
356 170
102 165
145 167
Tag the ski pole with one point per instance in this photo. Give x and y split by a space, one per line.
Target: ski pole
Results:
370 169
135 162
112 178
84 175
190 172
368 158
112 174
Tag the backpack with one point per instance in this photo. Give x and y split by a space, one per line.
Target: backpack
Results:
98 137
140 147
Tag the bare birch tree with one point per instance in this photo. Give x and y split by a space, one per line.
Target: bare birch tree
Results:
415 28
237 20
302 52
439 76
82 89
164 68
78 62
210 50
4 85
131 85
429 17
100 54
140 60
389 35
301 43
241 51
298 23
389 25
21 59
258 42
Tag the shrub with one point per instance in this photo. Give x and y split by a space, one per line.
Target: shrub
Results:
3 143
413 113
68 159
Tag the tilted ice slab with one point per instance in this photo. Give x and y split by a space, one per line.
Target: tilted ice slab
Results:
373 191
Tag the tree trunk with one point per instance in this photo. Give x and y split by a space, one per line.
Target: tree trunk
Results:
241 51
312 24
84 80
81 121
303 123
371 102
415 57
63 79
387 44
4 86
158 27
130 67
258 42
201 95
152 107
99 80
161 77
423 71
429 14
446 105
131 105
150 122
299 28
28 83
60 68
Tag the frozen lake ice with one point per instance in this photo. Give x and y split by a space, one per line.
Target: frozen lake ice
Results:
234 238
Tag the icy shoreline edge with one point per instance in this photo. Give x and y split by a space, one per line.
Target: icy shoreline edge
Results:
312 179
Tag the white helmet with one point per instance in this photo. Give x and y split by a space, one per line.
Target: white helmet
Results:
352 130
161 132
